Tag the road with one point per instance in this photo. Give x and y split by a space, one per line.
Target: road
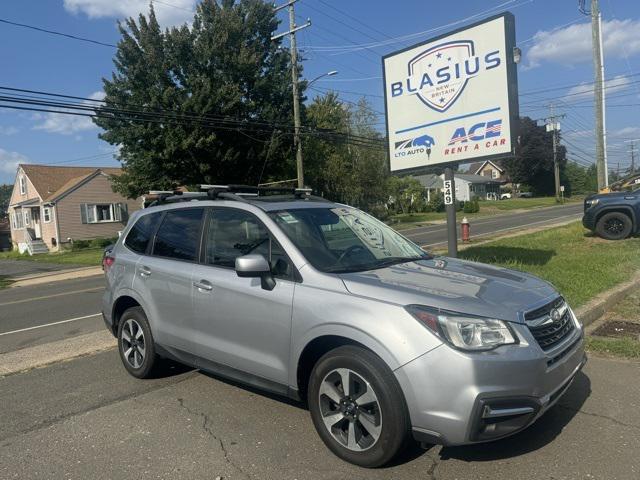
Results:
87 418
436 235
30 316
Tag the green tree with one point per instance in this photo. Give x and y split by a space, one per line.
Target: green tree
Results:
533 161
224 66
339 166
5 196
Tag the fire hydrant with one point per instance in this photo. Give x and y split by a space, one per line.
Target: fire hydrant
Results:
464 226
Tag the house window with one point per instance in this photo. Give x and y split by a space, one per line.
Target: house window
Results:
27 217
494 174
46 214
23 185
103 212
18 220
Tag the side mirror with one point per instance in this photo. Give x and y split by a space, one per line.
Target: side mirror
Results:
255 266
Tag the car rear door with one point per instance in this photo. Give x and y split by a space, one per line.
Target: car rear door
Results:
237 323
163 277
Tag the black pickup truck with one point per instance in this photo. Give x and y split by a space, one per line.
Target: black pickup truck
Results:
613 216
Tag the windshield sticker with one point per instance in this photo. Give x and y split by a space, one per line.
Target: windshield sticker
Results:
287 217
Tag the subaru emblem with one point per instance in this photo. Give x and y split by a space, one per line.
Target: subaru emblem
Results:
555 315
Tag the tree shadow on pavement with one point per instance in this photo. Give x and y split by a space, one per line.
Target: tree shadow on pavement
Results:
508 255
541 433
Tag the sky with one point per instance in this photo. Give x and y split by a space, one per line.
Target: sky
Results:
347 36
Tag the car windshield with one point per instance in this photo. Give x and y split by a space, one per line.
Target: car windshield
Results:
345 239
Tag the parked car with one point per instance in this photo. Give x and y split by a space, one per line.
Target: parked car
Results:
525 195
505 196
321 302
613 216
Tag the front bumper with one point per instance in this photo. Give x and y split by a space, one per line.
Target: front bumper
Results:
589 219
457 398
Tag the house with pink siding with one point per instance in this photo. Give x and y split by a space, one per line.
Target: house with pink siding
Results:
51 206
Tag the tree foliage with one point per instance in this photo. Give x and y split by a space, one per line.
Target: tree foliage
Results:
5 196
533 161
223 66
337 168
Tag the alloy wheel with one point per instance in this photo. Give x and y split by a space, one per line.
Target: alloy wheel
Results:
350 409
614 226
133 344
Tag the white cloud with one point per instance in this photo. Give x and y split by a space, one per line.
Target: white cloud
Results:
173 12
10 130
572 45
66 124
9 161
584 91
626 132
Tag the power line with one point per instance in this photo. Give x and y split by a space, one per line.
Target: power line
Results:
53 32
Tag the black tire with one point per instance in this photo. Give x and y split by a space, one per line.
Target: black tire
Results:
614 226
394 424
140 363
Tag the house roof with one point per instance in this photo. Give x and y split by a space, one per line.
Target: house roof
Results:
51 181
473 168
475 178
480 166
429 180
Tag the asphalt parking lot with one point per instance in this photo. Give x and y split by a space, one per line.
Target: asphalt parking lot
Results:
87 418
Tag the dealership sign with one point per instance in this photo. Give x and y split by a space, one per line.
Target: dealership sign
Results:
454 98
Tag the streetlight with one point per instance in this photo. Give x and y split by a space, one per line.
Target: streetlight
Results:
328 74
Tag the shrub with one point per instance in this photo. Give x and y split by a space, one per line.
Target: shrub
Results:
436 204
93 243
472 206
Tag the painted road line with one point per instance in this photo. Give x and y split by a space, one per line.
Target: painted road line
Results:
53 295
551 221
51 324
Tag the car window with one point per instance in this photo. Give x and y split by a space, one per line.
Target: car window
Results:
232 233
140 234
179 234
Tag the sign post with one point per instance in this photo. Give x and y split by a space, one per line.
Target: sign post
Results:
450 206
453 99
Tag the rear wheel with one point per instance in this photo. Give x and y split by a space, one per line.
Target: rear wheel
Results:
614 226
357 407
135 343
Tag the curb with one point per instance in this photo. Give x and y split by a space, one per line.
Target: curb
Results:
56 277
54 352
603 302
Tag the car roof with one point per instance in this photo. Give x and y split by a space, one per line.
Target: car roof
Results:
265 204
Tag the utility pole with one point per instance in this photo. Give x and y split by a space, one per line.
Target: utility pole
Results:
294 78
598 88
554 126
632 151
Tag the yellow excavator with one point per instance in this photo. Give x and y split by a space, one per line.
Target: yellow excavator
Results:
630 182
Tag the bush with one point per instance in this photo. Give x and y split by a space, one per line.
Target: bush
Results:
436 204
472 206
93 243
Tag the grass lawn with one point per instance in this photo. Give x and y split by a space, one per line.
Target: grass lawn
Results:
410 220
90 257
618 347
577 263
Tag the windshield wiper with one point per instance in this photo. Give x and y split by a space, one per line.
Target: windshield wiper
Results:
386 262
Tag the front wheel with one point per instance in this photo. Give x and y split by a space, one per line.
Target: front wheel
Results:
357 407
614 226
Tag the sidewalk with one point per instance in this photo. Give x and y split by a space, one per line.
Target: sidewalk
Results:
67 272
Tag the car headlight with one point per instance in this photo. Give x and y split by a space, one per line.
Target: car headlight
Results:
462 331
593 202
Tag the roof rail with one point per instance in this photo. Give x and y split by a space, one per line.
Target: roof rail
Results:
258 191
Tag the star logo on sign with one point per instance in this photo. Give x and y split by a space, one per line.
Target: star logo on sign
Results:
438 55
441 100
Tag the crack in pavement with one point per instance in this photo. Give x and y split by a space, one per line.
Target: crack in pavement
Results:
206 421
598 415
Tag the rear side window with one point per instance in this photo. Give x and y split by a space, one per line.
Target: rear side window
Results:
140 234
179 234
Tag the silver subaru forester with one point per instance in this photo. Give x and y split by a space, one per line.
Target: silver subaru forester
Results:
323 303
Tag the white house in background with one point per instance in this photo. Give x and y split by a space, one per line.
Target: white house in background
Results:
467 185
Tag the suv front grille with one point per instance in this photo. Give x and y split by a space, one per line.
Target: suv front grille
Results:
547 331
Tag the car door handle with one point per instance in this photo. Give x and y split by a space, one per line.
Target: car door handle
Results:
145 271
203 285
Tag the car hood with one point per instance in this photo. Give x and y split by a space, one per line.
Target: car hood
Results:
455 285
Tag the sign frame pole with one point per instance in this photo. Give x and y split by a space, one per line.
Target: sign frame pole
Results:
450 206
